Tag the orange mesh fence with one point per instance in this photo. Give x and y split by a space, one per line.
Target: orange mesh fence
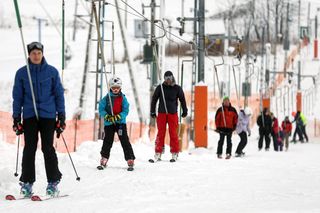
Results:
77 132
6 131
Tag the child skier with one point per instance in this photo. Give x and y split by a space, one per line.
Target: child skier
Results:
243 127
279 140
115 121
287 128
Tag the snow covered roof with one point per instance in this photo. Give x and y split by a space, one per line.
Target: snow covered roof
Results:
214 27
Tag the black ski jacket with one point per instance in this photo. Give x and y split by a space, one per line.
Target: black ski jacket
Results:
266 126
172 93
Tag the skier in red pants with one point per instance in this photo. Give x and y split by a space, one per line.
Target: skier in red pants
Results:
168 94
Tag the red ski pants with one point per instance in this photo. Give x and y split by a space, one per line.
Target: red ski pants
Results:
172 120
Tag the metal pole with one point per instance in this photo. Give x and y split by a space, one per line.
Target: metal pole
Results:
299 48
86 65
63 58
316 38
194 67
299 77
75 21
201 39
247 69
153 79
126 14
26 58
286 43
39 30
128 59
17 159
275 44
101 50
74 168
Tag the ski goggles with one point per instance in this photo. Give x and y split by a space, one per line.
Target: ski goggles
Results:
169 77
34 45
115 88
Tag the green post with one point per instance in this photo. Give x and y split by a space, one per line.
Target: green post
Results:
26 57
17 13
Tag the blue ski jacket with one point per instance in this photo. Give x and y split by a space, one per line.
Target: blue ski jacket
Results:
48 92
120 106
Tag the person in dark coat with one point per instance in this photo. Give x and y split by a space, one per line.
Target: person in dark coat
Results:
299 126
168 94
264 123
50 107
226 120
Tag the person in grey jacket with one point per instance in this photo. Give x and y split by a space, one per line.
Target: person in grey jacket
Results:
243 127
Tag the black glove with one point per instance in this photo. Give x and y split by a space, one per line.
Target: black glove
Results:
153 114
184 114
17 126
60 124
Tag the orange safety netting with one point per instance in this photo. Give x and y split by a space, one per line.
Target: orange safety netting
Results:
77 132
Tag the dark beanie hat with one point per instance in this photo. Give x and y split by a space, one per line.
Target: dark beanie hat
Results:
168 73
35 46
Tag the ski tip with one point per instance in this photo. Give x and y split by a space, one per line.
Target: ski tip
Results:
10 197
151 161
36 198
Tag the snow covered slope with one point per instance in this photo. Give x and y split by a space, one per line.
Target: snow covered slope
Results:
198 182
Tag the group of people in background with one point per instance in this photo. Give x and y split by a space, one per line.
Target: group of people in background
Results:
227 120
269 125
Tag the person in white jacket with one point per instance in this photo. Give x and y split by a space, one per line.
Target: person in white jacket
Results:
243 127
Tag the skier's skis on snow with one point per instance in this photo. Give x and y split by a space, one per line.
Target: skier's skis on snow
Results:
46 197
19 197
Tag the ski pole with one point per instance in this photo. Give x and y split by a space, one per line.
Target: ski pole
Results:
63 28
26 57
74 168
16 173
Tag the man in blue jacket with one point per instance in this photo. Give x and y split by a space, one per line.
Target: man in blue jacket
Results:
49 105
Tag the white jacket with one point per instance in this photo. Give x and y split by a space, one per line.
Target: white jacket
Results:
243 123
